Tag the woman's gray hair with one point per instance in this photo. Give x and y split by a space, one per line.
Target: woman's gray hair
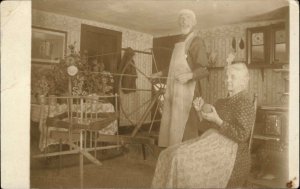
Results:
242 70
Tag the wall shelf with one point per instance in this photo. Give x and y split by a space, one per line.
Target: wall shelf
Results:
266 66
282 70
264 137
262 67
274 108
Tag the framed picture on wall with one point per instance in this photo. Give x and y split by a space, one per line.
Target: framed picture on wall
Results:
48 46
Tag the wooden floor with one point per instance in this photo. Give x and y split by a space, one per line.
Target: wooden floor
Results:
123 168
132 166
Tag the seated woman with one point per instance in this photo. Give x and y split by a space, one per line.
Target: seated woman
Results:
219 158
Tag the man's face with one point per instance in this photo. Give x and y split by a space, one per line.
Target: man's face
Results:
186 23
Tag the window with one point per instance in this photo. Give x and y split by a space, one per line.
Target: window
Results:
280 46
257 47
267 45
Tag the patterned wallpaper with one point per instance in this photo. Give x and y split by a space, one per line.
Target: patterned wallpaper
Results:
219 39
136 40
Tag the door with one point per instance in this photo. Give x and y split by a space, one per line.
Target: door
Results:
102 43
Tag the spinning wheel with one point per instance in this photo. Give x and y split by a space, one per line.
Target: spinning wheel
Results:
146 110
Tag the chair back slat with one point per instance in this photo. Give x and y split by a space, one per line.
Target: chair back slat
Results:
253 126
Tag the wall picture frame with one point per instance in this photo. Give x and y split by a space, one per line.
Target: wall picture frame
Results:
48 45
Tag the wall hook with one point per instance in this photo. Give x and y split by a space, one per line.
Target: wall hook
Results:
242 44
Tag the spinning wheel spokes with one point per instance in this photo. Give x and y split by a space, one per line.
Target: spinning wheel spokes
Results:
139 104
136 110
155 65
145 114
154 116
140 71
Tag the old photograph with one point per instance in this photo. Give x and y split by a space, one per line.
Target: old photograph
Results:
160 94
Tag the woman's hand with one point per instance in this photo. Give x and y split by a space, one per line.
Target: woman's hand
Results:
212 116
184 77
198 103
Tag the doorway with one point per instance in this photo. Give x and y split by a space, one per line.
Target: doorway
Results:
102 43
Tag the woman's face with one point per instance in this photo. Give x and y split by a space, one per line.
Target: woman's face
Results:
186 23
234 82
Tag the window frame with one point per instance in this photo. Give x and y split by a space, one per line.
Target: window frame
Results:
278 27
269 45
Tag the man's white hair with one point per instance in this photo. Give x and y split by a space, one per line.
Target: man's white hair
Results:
188 12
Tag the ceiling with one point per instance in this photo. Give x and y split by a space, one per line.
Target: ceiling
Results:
159 17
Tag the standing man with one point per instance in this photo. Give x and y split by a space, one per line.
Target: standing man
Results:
188 65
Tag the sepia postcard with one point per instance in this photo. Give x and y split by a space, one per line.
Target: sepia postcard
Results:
150 94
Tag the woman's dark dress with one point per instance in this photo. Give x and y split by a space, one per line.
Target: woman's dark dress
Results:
175 166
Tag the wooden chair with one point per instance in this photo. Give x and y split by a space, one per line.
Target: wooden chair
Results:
252 131
77 125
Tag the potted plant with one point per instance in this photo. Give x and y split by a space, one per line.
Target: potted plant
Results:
86 77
